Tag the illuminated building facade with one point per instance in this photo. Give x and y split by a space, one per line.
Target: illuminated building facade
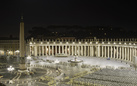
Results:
120 49
9 47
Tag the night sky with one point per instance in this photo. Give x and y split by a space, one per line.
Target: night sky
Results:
43 13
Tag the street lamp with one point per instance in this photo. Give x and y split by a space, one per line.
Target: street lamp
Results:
28 65
10 69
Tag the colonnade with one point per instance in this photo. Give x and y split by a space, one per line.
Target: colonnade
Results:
114 50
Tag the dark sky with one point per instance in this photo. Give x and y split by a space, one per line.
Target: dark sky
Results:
115 13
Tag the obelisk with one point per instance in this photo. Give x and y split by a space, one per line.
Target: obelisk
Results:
21 41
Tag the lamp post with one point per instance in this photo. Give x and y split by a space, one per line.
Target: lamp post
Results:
28 65
10 69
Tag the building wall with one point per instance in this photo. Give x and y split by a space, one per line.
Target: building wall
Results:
9 47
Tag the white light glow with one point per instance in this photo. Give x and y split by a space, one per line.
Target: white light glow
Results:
10 68
28 57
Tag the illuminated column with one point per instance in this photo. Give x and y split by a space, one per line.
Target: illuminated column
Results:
98 51
120 53
114 52
84 50
87 50
90 51
35 50
66 50
130 55
39 51
49 50
111 51
78 51
52 50
55 49
59 49
125 53
72 50
117 52
30 51
108 51
69 50
135 51
133 54
105 51
46 50
102 51
75 50
63 49
42 50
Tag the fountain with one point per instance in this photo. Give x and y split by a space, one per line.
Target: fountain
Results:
75 60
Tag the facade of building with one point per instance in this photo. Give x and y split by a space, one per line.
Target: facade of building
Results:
9 47
120 49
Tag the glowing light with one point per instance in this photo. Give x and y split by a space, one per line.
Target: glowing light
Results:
17 51
28 57
10 68
56 61
30 43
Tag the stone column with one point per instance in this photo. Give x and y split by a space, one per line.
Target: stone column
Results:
84 50
105 51
111 51
130 54
63 49
35 50
39 51
90 51
55 49
66 50
114 51
108 51
42 50
30 50
117 52
46 50
52 50
75 50
135 51
98 50
69 50
102 51
120 53
59 49
125 53
72 50
49 50
78 51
